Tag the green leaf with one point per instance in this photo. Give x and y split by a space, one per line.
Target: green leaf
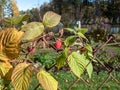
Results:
81 35
88 47
90 52
70 40
60 61
21 76
62 58
66 51
17 20
89 68
32 30
77 63
82 30
90 56
51 19
46 80
70 30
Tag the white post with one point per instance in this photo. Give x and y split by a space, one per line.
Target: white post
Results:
79 24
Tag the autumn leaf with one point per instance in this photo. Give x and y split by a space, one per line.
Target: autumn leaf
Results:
21 76
15 9
32 30
46 80
4 68
51 19
10 43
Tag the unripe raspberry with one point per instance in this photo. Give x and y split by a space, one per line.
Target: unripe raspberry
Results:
31 49
69 51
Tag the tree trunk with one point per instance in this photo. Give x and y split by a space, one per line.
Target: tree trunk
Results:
1 13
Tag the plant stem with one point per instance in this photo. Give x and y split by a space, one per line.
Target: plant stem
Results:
36 87
99 88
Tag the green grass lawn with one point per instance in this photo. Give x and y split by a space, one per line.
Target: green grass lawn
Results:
66 79
114 48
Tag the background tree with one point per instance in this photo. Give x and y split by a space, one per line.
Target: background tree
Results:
2 5
45 7
5 8
84 10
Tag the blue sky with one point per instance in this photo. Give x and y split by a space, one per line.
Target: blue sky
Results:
28 4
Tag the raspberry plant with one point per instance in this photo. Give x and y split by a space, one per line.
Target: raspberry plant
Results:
14 42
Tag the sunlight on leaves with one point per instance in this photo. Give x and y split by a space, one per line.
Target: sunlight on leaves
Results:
10 43
32 30
70 40
81 35
14 8
89 68
46 80
21 76
51 19
88 47
4 68
77 63
70 30
82 30
16 20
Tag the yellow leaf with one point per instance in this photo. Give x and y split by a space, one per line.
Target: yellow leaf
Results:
10 43
3 58
4 68
15 10
46 80
8 75
1 87
21 76
51 19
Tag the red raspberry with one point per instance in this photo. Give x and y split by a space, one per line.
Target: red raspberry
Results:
58 44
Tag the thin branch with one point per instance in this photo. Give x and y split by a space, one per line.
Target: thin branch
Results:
101 63
103 83
76 81
117 43
101 46
115 79
49 69
88 63
110 75
85 82
40 17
